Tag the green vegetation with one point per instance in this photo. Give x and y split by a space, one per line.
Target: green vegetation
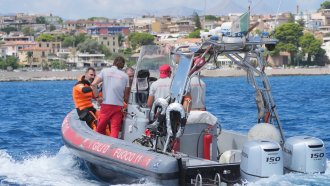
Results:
45 38
93 47
52 28
195 34
138 39
89 45
196 20
288 35
211 18
310 46
28 31
72 41
41 20
9 29
293 40
98 18
29 56
9 63
301 22
57 64
325 5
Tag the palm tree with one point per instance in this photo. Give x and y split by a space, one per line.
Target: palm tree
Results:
29 55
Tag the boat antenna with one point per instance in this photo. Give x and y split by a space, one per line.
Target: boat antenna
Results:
278 9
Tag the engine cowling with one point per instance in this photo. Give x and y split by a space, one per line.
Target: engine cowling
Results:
261 159
304 154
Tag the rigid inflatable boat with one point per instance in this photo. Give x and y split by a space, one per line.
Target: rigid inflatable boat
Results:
173 146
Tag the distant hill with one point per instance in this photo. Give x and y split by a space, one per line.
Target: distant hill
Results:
179 11
224 7
171 11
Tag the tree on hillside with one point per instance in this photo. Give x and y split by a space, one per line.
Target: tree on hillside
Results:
211 18
325 5
68 41
52 28
310 46
288 35
90 45
41 20
73 41
8 29
301 22
196 20
291 18
28 31
80 38
45 38
121 39
138 39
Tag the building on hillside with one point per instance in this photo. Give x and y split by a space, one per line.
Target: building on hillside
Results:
108 30
39 57
143 24
80 24
312 21
182 26
3 51
110 41
169 38
52 47
13 47
53 20
17 36
322 20
161 25
187 42
326 46
126 22
82 60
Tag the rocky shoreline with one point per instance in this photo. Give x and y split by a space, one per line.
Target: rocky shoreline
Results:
72 75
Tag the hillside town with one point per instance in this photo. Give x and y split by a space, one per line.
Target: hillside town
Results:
48 42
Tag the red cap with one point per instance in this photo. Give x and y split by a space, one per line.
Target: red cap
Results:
164 71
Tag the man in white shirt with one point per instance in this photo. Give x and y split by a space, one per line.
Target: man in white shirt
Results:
115 92
161 87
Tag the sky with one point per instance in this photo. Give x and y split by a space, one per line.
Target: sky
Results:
82 9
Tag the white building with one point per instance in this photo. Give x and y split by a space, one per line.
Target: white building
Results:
82 60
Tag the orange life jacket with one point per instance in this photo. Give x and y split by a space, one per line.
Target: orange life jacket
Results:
82 98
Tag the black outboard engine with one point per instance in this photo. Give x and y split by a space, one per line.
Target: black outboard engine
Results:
304 154
261 159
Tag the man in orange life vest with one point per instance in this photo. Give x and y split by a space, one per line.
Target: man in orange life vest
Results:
82 95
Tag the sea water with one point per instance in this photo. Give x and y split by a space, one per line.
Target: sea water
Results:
31 114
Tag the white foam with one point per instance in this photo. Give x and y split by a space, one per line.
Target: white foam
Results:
59 169
295 179
64 169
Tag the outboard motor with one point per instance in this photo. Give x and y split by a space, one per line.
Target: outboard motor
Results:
261 159
304 154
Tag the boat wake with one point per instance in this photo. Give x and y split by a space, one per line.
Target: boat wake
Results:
295 179
65 169
60 169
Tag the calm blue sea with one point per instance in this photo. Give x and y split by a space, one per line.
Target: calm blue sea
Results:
31 113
